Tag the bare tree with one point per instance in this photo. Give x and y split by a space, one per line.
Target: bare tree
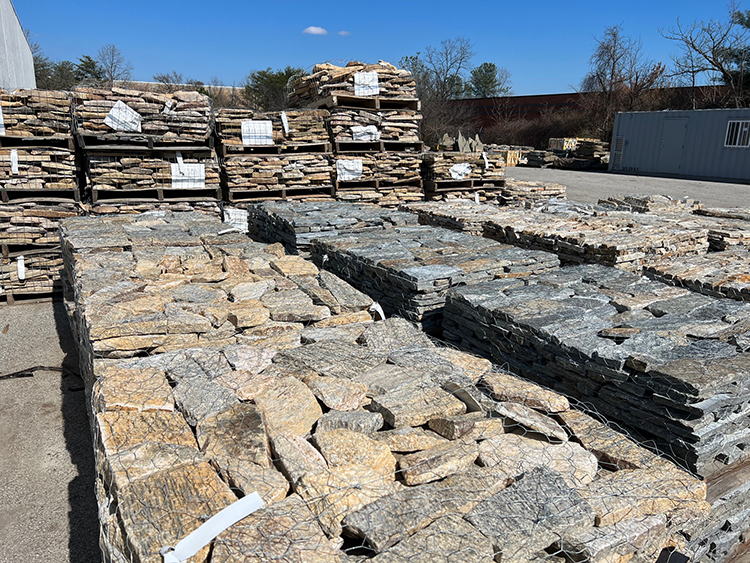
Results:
113 64
169 81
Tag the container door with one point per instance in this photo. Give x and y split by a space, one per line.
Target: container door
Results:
672 145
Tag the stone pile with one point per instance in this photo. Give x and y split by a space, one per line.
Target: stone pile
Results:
34 223
303 127
122 114
250 175
408 270
516 192
35 113
355 79
387 178
357 124
296 225
211 208
650 203
669 365
451 174
362 438
541 159
38 169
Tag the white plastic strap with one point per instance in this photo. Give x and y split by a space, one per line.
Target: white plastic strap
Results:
476 197
347 170
167 108
285 122
14 161
123 118
365 133
180 162
21 268
486 162
257 132
366 84
460 171
2 122
203 535
376 308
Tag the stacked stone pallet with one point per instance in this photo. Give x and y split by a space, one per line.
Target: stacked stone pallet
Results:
304 127
519 192
624 240
541 159
361 438
450 175
592 150
651 203
348 125
669 365
296 225
408 270
386 178
38 185
211 208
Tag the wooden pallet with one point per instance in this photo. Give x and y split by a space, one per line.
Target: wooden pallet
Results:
155 195
39 196
378 146
289 148
364 102
239 195
141 142
468 185
58 141
355 185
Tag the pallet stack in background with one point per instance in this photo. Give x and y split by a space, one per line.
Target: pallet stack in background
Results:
146 149
451 175
39 186
373 124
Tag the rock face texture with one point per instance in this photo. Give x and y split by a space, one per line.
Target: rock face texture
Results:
370 441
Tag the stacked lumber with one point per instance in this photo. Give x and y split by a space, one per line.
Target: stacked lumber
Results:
387 178
329 80
303 127
215 412
38 169
35 114
668 365
296 225
408 269
451 174
517 192
353 124
125 115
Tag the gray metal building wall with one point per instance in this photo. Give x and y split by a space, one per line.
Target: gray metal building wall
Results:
16 60
679 143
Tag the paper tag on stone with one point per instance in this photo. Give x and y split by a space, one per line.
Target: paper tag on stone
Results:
486 162
188 176
365 133
460 171
123 118
21 268
347 170
238 218
366 84
2 122
13 161
257 132
285 122
167 108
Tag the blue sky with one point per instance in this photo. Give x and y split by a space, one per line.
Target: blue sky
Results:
545 45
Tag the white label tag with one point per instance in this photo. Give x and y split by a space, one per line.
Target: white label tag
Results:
180 162
365 133
13 161
238 218
167 108
2 122
486 162
347 170
123 118
257 133
460 171
366 84
285 122
21 268
188 176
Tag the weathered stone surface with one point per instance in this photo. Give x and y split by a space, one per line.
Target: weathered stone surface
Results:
516 455
333 494
293 305
284 531
295 456
357 421
199 397
251 290
531 514
336 393
130 389
288 406
449 539
407 439
437 462
415 404
393 334
152 520
473 367
507 387
333 358
290 266
346 447
347 332
119 430
387 378
455 427
348 298
234 438
527 417
247 385
344 319
249 358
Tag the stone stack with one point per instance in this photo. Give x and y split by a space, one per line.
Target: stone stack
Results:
39 185
292 129
669 365
408 270
296 225
651 203
541 159
450 175
361 438
349 125
211 208
519 192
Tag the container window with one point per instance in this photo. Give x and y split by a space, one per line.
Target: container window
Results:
738 134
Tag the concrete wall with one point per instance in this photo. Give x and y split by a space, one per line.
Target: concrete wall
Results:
16 60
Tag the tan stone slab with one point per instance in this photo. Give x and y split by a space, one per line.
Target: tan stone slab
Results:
337 393
333 494
133 389
414 405
437 462
235 437
455 427
120 430
345 319
294 266
408 439
472 366
247 314
160 510
529 418
283 532
246 384
516 455
346 447
270 484
506 387
295 456
288 406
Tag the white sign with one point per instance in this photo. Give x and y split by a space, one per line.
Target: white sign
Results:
365 133
13 161
123 118
285 122
188 176
460 171
366 84
238 218
347 170
2 122
257 133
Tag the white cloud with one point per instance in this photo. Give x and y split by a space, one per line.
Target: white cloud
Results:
345 33
315 30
